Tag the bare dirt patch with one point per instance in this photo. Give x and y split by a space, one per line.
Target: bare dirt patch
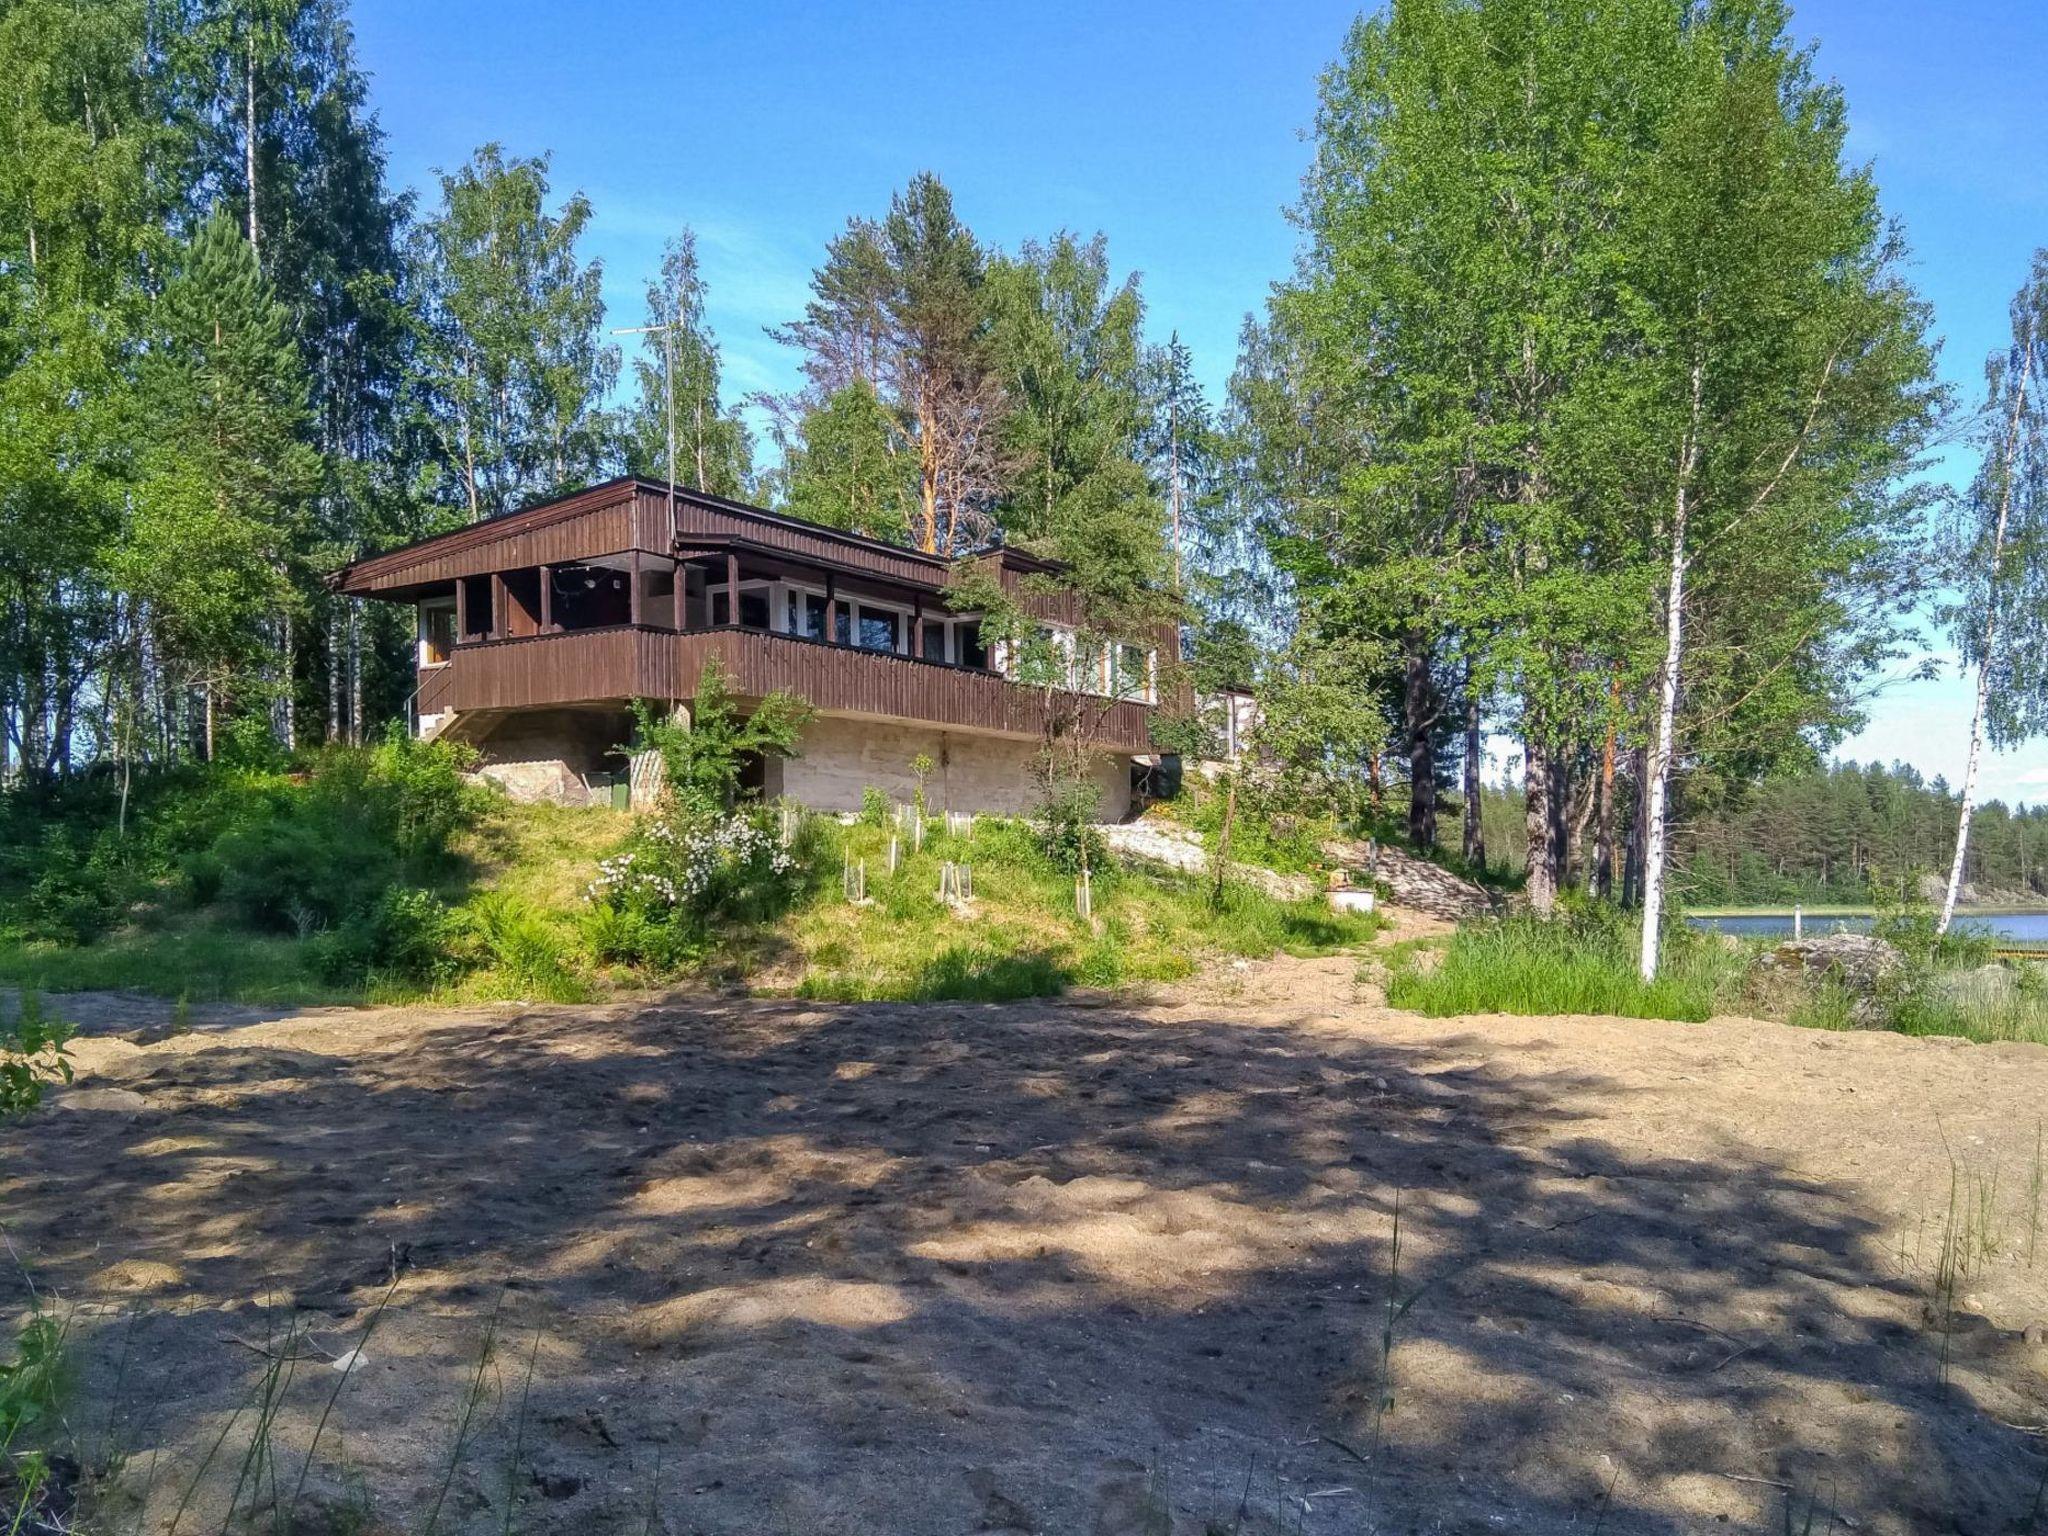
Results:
947 1268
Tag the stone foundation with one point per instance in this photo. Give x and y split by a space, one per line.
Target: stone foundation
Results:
563 755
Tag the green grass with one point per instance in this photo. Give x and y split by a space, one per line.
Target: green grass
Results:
1023 936
196 961
516 879
1581 963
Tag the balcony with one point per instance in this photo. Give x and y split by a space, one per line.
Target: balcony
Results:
624 661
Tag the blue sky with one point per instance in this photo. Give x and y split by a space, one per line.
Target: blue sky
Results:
1175 129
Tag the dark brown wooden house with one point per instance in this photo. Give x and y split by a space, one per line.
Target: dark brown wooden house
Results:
536 628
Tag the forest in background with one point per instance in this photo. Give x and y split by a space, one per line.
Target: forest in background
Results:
1848 834
1610 442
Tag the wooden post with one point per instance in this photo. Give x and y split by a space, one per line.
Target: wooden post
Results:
461 609
917 626
547 599
500 602
633 589
831 609
732 589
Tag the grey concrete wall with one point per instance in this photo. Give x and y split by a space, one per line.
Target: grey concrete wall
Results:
839 758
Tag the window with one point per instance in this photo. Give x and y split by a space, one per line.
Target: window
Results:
807 614
880 630
1133 673
437 633
753 606
935 648
970 651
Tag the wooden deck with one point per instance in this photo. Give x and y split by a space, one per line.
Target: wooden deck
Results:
638 661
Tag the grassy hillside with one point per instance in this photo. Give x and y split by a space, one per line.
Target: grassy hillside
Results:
378 876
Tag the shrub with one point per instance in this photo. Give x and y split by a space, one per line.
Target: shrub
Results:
521 946
874 807
204 873
680 873
32 1056
406 933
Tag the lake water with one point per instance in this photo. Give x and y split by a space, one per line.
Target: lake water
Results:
2019 927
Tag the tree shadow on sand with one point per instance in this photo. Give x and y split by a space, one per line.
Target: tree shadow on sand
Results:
934 1269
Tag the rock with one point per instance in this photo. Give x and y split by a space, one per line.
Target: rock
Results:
557 1484
1156 842
1855 963
1855 960
113 1101
1413 883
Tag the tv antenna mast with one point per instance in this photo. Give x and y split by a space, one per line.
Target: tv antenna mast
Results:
667 332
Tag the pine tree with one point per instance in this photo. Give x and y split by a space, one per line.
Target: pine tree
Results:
900 304
227 469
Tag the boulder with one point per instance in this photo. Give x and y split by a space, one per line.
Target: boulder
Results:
1413 883
1857 961
1161 842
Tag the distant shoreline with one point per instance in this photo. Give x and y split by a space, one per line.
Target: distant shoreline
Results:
2003 910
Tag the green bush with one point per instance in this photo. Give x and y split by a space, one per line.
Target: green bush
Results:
874 807
681 874
204 872
407 933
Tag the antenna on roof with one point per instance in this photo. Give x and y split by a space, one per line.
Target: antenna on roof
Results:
667 332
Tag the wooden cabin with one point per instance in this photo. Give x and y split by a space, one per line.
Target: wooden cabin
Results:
537 627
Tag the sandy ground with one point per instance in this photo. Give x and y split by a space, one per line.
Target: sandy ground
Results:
783 1267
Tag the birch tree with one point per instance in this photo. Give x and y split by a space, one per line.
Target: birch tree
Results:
2001 621
1777 389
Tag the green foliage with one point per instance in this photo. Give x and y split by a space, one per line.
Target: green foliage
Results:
845 466
1583 961
1025 937
316 856
406 933
32 1055
34 1384
874 807
702 758
524 953
683 873
511 369
714 450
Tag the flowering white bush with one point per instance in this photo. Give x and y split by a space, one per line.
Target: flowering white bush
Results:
697 866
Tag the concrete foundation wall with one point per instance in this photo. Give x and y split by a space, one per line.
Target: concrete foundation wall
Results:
987 775
553 755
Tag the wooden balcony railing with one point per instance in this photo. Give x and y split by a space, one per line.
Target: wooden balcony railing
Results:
629 661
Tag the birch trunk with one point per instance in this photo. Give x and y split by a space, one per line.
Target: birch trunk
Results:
1657 790
1541 886
1984 659
355 672
249 141
1475 830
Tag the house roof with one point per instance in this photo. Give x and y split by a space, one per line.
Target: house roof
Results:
719 521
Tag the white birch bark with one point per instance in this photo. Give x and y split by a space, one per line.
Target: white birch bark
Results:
2012 442
1663 749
